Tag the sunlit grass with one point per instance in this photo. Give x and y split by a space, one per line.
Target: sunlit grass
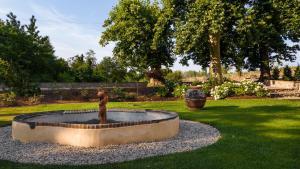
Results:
258 134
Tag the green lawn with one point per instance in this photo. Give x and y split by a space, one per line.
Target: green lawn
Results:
256 134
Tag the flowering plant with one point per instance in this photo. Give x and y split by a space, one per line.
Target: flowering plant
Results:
180 90
245 87
194 94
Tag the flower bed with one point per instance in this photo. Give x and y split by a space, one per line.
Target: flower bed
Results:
243 88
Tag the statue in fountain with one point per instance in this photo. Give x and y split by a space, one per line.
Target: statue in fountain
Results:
103 99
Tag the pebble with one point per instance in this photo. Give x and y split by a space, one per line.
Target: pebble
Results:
191 136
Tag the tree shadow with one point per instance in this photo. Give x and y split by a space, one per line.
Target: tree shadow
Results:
5 123
254 132
252 137
234 113
256 120
10 114
6 120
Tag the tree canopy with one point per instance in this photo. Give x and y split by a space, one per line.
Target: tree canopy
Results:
27 55
139 43
258 32
206 26
269 32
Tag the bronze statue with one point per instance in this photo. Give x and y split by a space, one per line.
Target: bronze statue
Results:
103 99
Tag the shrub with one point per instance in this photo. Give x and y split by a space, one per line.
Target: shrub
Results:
130 96
297 73
167 89
249 87
275 73
261 92
196 83
237 89
118 92
253 88
223 91
287 73
206 87
26 89
170 85
162 91
8 99
84 93
35 99
180 90
195 94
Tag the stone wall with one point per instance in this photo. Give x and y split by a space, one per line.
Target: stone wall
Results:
65 86
66 91
281 84
70 86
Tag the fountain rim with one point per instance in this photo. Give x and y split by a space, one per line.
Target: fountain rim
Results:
22 118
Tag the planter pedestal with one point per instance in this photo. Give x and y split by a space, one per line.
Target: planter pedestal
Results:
195 103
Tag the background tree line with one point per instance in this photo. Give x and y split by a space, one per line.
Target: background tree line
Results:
27 58
84 68
150 35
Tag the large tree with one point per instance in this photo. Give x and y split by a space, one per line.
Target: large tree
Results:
266 30
139 43
202 30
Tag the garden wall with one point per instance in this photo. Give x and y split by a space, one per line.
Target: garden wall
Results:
66 91
281 84
68 86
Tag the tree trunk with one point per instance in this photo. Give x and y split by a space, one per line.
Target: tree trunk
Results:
215 56
265 72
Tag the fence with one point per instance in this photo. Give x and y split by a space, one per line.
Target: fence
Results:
66 86
73 90
69 86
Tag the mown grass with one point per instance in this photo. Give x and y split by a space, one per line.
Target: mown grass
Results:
260 134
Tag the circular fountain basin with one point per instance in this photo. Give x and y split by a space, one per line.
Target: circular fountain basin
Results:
82 128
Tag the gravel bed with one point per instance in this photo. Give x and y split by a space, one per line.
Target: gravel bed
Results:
191 136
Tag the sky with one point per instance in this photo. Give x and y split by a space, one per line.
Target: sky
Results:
74 26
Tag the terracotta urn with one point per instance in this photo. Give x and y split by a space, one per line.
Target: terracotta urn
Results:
195 98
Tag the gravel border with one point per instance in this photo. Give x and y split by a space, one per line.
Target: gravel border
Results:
191 136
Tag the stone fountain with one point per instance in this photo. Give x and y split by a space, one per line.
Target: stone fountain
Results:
95 128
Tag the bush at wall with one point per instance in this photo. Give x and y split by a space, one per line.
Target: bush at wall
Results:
8 99
180 90
275 73
297 73
287 73
35 99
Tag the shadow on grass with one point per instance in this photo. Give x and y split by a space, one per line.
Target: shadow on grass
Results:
5 123
10 114
264 134
252 137
236 113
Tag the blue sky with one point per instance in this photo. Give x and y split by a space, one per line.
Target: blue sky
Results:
74 26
